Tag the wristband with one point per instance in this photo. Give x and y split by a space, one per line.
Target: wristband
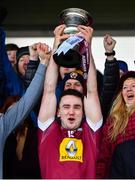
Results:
110 54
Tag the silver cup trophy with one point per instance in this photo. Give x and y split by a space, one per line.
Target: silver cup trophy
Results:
72 17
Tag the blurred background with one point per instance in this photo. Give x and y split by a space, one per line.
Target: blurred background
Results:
30 21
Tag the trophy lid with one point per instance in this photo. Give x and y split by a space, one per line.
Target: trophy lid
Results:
73 17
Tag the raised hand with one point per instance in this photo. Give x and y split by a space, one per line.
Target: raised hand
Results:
44 53
86 32
33 52
59 35
109 43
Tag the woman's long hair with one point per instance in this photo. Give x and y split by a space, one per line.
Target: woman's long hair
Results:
119 114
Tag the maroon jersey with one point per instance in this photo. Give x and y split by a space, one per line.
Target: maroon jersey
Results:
67 153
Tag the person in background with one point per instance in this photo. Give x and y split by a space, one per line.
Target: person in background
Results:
110 76
119 127
16 83
65 70
20 110
11 52
71 137
22 59
21 148
27 63
74 80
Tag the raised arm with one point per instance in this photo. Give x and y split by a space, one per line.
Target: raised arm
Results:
20 110
49 102
111 76
91 102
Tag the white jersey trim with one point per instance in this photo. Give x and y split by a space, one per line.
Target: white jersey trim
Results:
44 125
94 126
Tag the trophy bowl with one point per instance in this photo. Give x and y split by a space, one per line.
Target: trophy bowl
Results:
73 17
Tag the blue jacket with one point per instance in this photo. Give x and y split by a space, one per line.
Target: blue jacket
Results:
13 85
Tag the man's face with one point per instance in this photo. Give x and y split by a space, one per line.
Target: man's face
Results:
73 84
22 64
12 56
70 112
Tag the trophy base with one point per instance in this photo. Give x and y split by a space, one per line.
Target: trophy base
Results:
71 30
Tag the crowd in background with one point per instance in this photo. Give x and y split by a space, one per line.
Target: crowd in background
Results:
57 124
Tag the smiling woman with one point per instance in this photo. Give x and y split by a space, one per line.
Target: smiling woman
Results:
128 91
120 126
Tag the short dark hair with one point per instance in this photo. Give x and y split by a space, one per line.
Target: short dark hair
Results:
72 92
11 46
